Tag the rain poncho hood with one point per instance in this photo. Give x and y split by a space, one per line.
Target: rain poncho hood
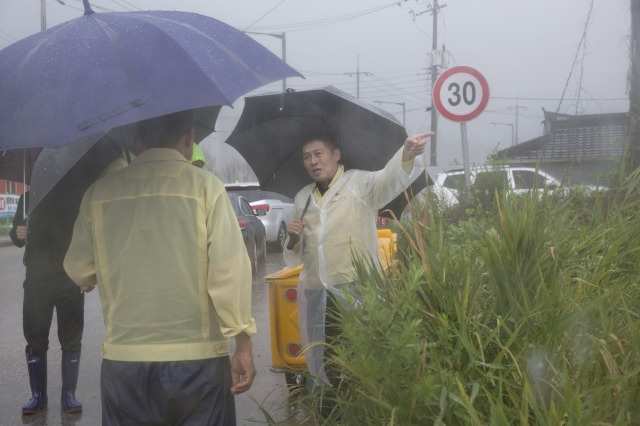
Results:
339 225
198 155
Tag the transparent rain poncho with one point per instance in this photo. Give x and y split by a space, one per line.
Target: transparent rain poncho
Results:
339 225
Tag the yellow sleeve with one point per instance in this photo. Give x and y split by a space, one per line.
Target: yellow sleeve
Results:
407 166
79 262
229 272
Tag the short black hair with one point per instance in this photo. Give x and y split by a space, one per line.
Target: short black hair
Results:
326 135
166 130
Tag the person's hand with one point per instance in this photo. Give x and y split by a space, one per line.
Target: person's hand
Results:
21 232
415 145
87 289
243 370
295 227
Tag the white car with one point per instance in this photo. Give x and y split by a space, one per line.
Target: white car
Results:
519 180
274 210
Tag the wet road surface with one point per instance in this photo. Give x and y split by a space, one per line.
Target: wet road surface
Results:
268 389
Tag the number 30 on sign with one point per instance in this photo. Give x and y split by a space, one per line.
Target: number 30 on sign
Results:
461 93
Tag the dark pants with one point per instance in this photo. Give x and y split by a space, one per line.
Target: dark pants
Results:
41 296
167 393
331 333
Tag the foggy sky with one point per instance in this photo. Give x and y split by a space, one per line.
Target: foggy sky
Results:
525 50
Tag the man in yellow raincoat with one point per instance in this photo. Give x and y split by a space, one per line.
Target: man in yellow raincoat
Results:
160 241
339 222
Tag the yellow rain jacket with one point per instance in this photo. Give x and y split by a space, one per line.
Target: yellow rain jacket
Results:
161 241
339 224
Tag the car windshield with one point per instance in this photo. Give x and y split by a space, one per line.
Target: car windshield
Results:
491 180
454 181
528 179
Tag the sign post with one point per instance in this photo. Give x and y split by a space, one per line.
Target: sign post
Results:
460 94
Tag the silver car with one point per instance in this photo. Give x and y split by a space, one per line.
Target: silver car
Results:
273 209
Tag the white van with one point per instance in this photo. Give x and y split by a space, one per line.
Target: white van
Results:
8 205
448 185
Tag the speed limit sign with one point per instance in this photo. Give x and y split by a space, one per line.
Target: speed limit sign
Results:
461 93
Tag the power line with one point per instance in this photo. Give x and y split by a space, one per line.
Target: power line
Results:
575 59
263 16
554 99
300 26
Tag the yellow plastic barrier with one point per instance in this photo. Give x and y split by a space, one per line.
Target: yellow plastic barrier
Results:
286 344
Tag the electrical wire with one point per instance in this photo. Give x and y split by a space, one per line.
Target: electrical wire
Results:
575 59
300 26
264 15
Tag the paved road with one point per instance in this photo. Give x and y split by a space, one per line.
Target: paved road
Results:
268 388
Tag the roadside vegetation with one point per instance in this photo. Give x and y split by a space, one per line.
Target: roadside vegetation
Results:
5 226
503 310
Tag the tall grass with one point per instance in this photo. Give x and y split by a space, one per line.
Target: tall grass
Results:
524 313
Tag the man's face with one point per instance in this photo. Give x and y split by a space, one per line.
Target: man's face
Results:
320 162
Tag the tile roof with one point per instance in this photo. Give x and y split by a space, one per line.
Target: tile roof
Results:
594 136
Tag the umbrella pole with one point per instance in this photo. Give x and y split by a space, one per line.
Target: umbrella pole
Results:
125 147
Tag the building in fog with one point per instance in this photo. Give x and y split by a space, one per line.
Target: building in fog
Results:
578 149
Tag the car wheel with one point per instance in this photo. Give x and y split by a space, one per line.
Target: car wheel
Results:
282 237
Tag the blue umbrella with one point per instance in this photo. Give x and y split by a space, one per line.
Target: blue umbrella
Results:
105 70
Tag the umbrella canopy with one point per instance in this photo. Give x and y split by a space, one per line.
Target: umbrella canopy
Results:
86 158
105 70
16 164
271 129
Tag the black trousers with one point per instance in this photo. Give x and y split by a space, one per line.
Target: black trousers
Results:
41 296
167 393
331 336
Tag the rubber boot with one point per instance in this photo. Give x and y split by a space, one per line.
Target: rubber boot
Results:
70 368
37 366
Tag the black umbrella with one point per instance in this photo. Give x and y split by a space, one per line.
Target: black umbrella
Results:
87 158
271 129
16 164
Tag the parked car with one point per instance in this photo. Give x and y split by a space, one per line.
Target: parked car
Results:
448 185
8 205
274 210
253 232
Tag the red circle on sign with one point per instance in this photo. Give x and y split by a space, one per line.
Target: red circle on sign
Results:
451 112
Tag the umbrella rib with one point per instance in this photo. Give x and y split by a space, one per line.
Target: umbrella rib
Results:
108 115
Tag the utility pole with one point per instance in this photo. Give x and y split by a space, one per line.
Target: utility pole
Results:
357 73
404 110
434 76
43 15
506 124
517 108
283 37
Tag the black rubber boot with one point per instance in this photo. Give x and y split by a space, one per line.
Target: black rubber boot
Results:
37 366
70 368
